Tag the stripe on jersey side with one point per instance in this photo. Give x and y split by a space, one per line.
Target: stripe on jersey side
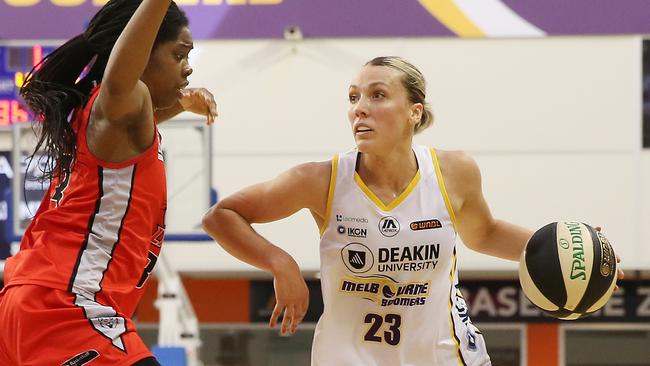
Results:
104 320
104 232
126 212
105 226
330 194
452 324
91 220
443 189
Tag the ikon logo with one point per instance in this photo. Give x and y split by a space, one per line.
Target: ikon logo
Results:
356 232
388 226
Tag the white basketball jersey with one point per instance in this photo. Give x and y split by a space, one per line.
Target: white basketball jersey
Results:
389 277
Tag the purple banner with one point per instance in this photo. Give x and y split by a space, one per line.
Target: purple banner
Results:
214 19
585 16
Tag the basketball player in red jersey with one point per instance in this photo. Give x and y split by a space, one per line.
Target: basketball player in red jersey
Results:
84 260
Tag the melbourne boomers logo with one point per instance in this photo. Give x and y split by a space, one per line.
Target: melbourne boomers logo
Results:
357 257
385 291
388 226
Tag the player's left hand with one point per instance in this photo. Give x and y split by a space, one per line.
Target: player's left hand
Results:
199 101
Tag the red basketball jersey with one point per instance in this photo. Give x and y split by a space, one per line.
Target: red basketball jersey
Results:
98 232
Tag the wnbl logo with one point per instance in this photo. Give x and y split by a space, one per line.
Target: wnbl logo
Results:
388 226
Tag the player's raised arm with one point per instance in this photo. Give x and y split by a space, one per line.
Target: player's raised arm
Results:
123 96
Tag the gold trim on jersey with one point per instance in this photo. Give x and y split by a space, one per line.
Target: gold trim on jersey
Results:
443 189
330 194
452 325
396 201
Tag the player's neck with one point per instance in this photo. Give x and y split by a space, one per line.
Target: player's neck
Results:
393 171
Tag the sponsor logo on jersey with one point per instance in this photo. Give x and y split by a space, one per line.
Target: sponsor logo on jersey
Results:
357 257
108 322
343 218
353 232
82 358
388 226
425 225
385 291
408 258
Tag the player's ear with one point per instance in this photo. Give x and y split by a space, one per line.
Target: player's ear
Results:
416 111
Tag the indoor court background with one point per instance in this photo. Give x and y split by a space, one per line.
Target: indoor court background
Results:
549 98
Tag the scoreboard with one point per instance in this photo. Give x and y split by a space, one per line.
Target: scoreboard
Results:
15 63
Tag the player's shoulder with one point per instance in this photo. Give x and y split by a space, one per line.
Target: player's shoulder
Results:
313 169
457 160
314 174
311 181
458 168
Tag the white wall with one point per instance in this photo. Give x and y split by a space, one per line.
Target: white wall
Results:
554 124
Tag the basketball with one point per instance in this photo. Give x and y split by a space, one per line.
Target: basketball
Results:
568 269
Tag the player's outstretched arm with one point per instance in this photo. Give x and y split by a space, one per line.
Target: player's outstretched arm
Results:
196 100
229 223
478 229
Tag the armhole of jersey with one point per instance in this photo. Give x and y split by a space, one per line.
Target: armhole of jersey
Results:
443 190
85 111
83 140
330 194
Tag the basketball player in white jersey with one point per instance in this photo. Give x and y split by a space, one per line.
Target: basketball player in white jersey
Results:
389 213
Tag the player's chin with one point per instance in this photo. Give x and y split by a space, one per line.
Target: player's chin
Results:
365 146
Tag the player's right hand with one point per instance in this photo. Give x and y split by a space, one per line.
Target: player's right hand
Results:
291 296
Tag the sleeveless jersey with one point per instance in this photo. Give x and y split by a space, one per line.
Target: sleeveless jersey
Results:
389 277
98 232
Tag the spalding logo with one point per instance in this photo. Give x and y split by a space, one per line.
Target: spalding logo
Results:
564 244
